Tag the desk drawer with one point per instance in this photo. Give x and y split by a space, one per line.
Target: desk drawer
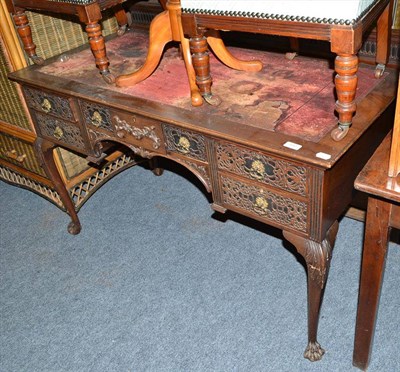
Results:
186 143
96 115
264 204
60 131
138 130
20 153
49 103
262 168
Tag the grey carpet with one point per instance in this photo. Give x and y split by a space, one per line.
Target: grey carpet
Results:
157 282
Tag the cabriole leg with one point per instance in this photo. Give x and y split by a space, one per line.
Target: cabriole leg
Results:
317 257
44 150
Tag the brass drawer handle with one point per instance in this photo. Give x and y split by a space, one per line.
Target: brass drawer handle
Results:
256 170
260 205
96 119
183 145
46 105
58 132
12 154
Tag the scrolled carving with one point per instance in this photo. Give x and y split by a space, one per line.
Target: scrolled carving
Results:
123 127
140 151
264 168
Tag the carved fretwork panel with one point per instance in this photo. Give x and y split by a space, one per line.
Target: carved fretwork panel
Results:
263 168
283 211
60 130
185 143
49 103
96 115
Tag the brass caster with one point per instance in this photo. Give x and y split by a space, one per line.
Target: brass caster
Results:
340 132
290 55
314 351
379 70
108 77
37 60
212 99
122 30
74 228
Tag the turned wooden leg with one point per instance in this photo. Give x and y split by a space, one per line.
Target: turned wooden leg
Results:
377 228
294 48
346 67
153 162
196 98
317 257
122 19
159 35
384 27
201 64
217 45
25 34
98 47
44 150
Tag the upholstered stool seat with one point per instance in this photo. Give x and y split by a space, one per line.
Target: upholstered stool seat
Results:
195 24
88 12
316 11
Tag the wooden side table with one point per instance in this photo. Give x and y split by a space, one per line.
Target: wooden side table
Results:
383 213
88 12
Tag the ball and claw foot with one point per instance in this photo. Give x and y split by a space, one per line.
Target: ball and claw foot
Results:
212 99
74 228
37 60
122 30
379 70
108 77
340 132
314 351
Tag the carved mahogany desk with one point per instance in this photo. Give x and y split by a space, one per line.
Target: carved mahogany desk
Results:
265 152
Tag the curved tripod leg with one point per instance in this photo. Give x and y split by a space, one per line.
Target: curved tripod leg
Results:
317 256
44 150
217 45
195 94
160 35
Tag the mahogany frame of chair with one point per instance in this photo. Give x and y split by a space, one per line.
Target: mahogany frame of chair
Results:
380 178
201 30
89 14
